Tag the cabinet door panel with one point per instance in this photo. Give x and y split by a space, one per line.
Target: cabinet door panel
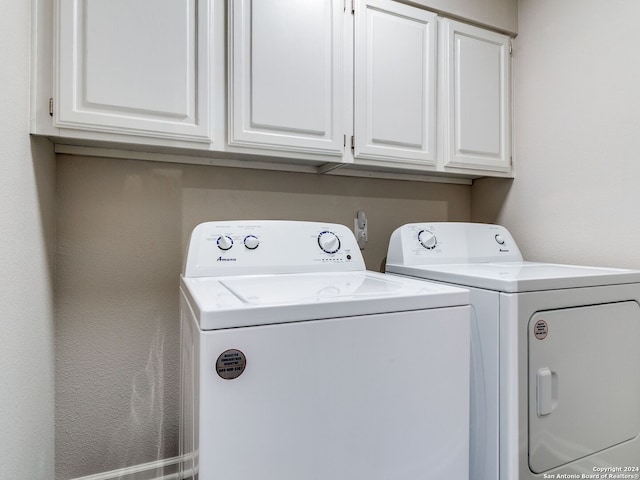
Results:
286 75
395 56
476 97
134 67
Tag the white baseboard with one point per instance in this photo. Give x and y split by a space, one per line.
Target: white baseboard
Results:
166 469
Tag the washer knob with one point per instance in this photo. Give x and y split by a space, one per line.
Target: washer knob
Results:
251 242
224 242
329 242
427 239
500 239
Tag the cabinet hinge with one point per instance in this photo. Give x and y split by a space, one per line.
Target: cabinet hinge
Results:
51 107
344 141
353 143
510 47
351 5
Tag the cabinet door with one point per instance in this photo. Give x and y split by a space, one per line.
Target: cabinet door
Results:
134 67
476 103
395 87
286 75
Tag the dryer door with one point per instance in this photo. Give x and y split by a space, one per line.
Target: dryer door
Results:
584 381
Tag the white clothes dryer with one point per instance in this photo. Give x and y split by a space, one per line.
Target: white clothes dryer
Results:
298 364
555 354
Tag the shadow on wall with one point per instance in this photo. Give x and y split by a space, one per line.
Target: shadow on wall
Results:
226 194
488 196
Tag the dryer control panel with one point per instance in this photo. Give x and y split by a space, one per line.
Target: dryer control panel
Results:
451 242
270 247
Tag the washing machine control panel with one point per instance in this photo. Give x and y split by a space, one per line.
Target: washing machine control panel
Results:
451 242
270 246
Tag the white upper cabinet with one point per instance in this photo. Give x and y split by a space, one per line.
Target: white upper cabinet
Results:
286 75
364 85
135 67
475 89
395 82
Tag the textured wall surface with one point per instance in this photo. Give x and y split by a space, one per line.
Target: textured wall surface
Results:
575 196
27 176
122 228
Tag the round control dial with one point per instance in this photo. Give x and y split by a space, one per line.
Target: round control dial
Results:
427 239
251 242
329 242
500 239
224 242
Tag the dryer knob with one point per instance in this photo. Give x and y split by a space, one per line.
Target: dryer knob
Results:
224 242
329 242
427 239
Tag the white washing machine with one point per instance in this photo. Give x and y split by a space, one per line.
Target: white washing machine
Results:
555 354
298 364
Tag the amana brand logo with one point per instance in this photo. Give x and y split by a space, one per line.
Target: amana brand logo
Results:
220 259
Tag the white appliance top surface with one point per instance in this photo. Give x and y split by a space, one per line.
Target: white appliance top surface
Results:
485 256
237 301
519 276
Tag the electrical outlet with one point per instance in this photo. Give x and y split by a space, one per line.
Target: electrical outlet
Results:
360 225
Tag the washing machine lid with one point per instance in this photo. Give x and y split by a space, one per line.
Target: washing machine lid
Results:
238 301
513 277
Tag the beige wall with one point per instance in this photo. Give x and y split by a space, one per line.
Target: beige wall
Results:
27 176
575 197
122 227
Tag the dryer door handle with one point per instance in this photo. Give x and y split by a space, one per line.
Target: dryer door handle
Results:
547 391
